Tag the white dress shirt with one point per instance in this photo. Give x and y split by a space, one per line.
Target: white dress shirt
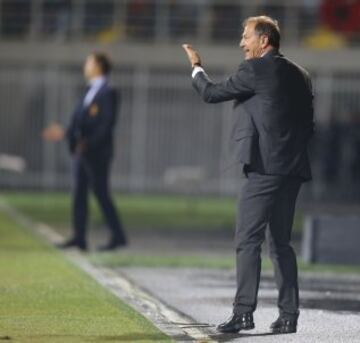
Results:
95 85
196 70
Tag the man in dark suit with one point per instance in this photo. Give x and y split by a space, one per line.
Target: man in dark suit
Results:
90 140
273 107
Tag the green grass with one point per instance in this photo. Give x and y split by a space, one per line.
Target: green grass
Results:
128 259
116 260
138 211
145 212
44 298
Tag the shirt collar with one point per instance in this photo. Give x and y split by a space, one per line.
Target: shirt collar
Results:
97 82
271 52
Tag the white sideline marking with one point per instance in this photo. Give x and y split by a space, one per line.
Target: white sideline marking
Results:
169 321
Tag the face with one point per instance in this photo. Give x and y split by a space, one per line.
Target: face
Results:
252 44
91 68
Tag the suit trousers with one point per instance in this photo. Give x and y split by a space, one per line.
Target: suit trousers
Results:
93 171
266 201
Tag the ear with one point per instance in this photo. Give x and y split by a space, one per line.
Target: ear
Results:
264 41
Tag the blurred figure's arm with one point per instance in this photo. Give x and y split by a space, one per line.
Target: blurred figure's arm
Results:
71 136
53 133
56 133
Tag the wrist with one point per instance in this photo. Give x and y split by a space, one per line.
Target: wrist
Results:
197 64
196 69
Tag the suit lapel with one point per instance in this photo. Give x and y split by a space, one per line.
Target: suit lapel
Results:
98 93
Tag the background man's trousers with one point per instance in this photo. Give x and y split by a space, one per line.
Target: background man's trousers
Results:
94 172
266 201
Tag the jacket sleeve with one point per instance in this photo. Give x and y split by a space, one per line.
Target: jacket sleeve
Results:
70 134
108 110
240 86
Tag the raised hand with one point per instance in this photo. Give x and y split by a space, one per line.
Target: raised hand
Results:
193 56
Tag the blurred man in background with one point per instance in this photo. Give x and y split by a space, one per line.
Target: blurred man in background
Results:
273 105
90 141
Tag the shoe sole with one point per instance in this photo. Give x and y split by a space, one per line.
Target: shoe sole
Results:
282 331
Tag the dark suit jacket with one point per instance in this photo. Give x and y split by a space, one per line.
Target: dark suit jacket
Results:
94 123
273 108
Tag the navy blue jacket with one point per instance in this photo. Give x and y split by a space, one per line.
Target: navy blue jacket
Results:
94 123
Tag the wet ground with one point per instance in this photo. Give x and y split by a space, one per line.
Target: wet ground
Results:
330 305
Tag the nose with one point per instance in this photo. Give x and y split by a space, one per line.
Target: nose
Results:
241 44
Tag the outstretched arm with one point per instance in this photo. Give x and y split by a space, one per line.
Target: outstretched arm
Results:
239 86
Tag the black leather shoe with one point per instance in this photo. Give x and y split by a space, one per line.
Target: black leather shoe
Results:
72 243
112 245
284 325
237 322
